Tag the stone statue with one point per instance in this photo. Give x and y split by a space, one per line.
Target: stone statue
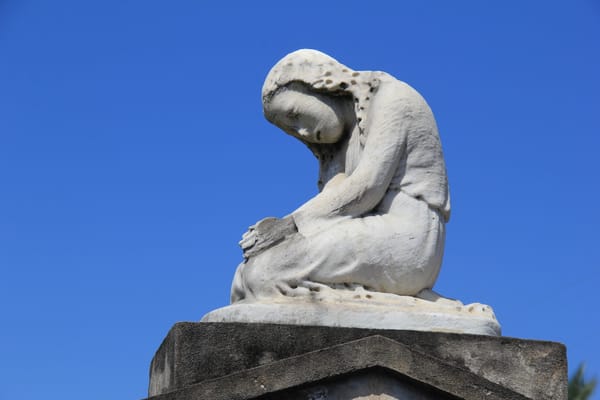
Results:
374 234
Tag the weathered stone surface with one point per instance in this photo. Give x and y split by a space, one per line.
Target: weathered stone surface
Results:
403 313
337 364
374 235
379 219
233 360
370 384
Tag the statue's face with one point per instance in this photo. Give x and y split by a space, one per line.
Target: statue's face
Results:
311 117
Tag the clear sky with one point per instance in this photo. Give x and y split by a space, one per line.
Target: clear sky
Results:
134 153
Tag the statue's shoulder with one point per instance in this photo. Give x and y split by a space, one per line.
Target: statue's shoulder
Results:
396 92
385 79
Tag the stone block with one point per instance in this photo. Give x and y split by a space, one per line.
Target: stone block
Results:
268 361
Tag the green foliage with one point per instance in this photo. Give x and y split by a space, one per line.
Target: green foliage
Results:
579 388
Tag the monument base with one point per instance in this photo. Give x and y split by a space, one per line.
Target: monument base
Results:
428 311
267 361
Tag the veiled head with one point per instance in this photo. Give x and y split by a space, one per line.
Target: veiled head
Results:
311 72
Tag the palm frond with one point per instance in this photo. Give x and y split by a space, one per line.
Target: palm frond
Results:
579 388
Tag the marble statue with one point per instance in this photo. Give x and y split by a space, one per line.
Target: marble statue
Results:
367 249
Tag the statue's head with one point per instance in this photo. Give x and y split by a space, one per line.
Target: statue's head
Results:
312 117
314 97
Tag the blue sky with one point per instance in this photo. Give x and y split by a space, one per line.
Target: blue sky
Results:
134 153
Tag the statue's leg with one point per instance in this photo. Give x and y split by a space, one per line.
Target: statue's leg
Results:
398 254
238 291
276 272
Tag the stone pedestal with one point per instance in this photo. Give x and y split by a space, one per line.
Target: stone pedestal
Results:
268 361
370 311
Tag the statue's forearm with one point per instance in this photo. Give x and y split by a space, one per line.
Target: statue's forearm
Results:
360 192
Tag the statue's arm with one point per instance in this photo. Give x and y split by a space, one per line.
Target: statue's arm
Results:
391 117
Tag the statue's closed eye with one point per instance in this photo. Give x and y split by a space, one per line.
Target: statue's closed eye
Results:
292 115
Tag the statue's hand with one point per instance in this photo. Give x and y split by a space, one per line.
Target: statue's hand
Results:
266 233
248 238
